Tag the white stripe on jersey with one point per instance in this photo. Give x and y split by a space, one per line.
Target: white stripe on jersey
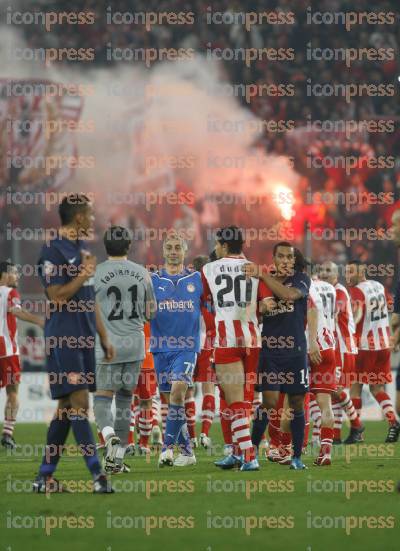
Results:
235 303
373 329
345 327
8 341
323 295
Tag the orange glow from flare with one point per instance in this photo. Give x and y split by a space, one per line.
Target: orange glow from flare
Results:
283 197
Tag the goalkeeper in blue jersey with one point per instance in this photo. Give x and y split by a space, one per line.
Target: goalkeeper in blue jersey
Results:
175 342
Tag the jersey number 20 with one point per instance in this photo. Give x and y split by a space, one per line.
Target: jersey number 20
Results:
233 284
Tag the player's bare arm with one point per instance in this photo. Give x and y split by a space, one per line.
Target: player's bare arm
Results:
357 311
61 293
312 321
267 304
109 351
279 290
150 308
24 315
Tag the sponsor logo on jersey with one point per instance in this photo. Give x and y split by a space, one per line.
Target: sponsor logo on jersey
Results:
171 305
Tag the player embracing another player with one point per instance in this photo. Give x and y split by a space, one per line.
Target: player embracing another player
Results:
283 363
237 341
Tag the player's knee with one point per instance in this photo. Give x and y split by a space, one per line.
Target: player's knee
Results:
177 396
124 394
296 403
80 406
106 393
375 389
12 390
269 402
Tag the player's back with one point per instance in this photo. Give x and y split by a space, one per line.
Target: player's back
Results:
323 295
345 327
235 300
373 328
122 290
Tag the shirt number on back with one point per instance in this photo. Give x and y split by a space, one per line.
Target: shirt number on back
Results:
378 307
117 312
235 285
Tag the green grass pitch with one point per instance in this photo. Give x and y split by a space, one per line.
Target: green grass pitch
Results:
351 505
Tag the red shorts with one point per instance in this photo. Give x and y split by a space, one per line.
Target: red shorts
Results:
323 375
147 384
204 371
373 367
249 358
345 368
10 371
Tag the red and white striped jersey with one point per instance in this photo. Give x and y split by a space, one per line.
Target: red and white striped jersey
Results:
345 327
207 329
9 298
322 296
372 331
235 301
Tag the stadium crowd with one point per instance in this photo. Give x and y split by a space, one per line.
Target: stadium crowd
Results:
317 197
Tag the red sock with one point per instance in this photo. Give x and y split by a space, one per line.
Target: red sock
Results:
307 419
100 437
326 440
274 425
190 410
274 434
225 418
155 413
306 434
286 438
241 429
349 407
338 419
207 413
8 426
145 423
131 437
387 407
357 403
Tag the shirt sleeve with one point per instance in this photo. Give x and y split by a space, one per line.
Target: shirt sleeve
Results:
13 299
341 302
357 298
302 283
207 295
312 298
53 268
